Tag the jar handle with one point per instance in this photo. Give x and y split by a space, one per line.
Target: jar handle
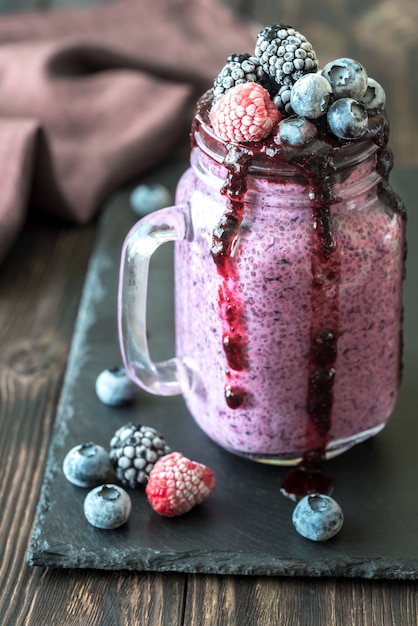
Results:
165 378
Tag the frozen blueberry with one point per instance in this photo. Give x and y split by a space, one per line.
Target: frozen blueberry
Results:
296 131
347 119
317 517
107 506
87 465
347 77
375 97
147 198
114 387
310 96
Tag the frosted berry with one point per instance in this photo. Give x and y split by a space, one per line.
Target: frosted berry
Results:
177 484
285 55
114 387
317 517
240 68
347 77
244 114
296 131
282 99
375 97
347 119
310 96
148 198
87 465
107 506
134 449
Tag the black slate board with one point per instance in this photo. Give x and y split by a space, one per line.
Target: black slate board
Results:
246 527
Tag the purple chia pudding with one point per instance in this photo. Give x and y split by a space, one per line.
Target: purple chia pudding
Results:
251 324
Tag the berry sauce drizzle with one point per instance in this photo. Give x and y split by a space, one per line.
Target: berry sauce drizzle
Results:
325 262
325 271
325 268
225 238
325 283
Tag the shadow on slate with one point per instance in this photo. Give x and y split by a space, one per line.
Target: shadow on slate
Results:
245 528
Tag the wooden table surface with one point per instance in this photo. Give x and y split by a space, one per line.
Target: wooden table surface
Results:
40 287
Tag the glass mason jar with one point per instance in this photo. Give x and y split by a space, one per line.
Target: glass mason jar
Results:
288 295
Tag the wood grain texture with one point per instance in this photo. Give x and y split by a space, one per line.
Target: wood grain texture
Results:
106 598
39 297
40 287
299 602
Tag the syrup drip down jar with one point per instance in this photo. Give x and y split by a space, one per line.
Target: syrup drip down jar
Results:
289 265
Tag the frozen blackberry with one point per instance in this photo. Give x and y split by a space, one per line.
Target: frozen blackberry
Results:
282 99
240 68
285 55
134 449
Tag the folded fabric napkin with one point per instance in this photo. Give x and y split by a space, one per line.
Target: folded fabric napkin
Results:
93 97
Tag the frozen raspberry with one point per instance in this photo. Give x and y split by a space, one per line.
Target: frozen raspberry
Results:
133 452
177 484
239 68
244 113
285 54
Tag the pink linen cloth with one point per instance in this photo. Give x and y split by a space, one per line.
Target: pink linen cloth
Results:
92 97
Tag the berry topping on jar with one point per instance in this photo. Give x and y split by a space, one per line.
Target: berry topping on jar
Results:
310 96
284 74
239 68
374 97
285 54
347 119
245 113
347 77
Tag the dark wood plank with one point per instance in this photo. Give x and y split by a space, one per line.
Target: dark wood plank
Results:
39 298
106 599
299 602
